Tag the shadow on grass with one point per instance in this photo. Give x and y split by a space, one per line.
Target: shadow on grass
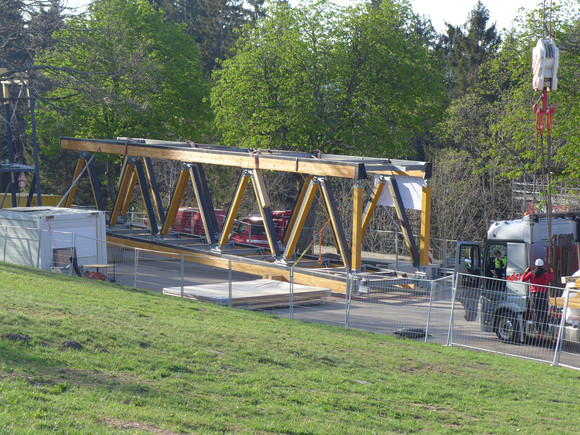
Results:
38 365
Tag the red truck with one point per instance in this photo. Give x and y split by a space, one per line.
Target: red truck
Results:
251 230
188 220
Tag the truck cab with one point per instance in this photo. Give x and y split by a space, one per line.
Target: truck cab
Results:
188 220
251 231
503 302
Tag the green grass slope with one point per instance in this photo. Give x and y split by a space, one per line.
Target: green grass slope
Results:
155 364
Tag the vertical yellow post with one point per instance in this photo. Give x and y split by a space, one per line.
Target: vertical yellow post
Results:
301 218
234 206
129 194
357 225
297 208
123 185
425 225
175 201
71 194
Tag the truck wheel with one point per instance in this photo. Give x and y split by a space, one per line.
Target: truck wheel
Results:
507 327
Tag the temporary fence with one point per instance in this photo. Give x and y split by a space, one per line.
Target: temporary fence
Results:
500 316
449 310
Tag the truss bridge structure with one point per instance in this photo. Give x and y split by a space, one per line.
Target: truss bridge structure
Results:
280 258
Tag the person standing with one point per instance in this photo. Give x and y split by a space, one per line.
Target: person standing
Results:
539 277
500 264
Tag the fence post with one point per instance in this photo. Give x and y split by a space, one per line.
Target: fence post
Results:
430 307
347 299
182 273
29 253
453 292
38 251
5 242
230 283
396 250
136 250
292 292
558 350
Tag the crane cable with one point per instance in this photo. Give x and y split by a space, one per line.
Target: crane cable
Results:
548 111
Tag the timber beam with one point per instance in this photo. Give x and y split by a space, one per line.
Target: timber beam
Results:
328 165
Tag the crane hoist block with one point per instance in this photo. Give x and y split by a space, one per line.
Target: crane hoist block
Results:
545 57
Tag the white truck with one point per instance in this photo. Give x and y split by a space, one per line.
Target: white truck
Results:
503 305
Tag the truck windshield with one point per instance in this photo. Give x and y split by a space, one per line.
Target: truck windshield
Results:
257 229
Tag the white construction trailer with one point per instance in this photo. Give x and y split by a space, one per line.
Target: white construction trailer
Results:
45 237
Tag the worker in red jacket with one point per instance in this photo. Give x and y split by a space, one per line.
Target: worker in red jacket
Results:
539 278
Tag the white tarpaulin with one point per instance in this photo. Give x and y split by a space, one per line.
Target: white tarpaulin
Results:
410 189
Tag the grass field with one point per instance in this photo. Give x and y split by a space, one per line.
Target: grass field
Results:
161 365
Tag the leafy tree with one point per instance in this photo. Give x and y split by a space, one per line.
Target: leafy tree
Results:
494 120
514 146
121 70
355 80
213 24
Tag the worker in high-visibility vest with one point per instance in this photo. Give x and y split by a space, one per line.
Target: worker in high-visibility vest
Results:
500 264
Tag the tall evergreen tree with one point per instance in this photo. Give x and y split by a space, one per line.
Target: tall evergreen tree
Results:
12 32
469 46
213 24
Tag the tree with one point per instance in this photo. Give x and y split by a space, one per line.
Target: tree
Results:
213 24
356 80
121 70
26 28
514 146
470 46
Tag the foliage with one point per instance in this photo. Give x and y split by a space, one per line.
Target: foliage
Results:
26 28
212 24
157 364
469 46
494 122
122 71
464 202
514 146
356 80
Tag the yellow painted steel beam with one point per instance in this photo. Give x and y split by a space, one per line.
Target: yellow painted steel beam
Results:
301 218
357 225
371 206
234 206
260 188
411 173
129 194
176 199
73 190
123 185
425 226
297 206
123 169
